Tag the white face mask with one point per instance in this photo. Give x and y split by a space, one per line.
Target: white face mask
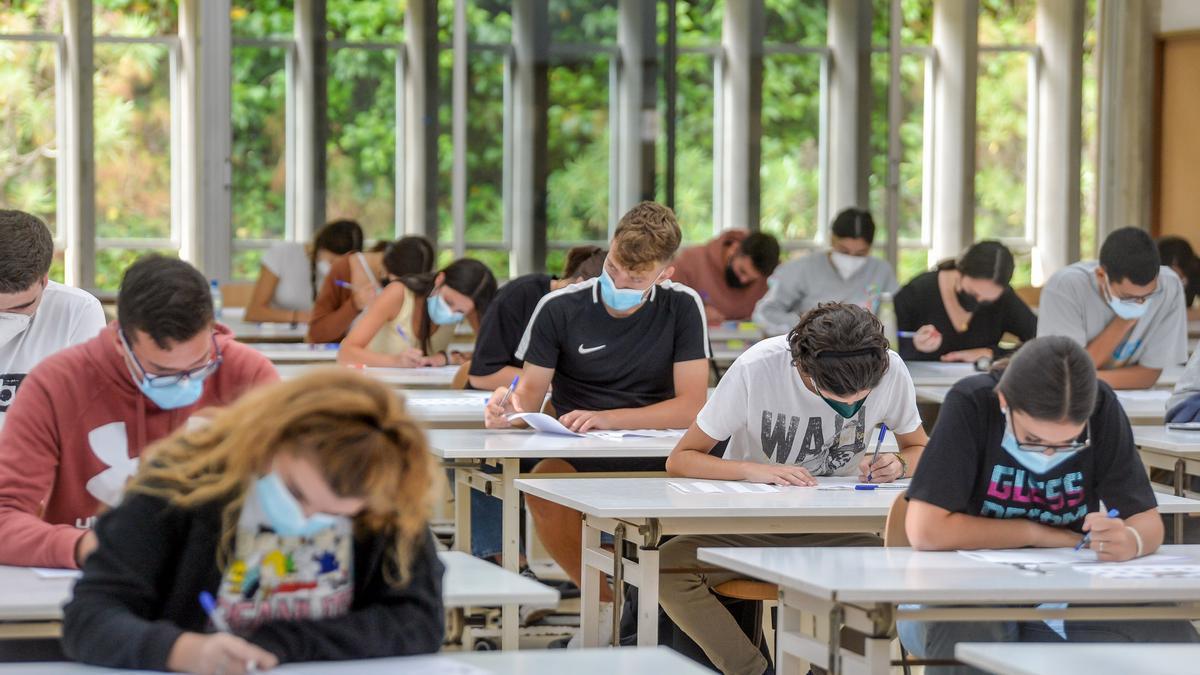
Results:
846 265
12 325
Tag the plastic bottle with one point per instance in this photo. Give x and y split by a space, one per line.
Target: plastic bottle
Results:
218 301
887 316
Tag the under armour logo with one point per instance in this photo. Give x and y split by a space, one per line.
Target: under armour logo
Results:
589 350
110 445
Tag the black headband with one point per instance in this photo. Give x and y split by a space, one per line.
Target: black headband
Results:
830 354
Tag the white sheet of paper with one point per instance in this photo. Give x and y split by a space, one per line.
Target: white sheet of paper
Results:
55 573
638 433
543 423
848 483
1055 556
1136 571
721 486
427 665
1150 395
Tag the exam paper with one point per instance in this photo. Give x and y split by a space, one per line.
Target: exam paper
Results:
1056 556
543 423
693 487
1139 571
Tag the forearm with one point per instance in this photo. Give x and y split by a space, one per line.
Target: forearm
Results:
1149 526
1102 346
331 326
500 378
700 464
1130 377
675 413
961 531
350 355
29 541
912 457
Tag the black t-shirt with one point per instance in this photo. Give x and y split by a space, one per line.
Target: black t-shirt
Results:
504 323
964 469
920 303
602 362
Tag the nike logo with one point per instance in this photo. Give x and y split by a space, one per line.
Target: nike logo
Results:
589 350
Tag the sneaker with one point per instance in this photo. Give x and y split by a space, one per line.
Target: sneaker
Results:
606 617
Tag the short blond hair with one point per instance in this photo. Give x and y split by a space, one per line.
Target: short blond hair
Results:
647 236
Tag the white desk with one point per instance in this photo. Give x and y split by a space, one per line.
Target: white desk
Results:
643 510
1142 406
936 373
1094 659
628 661
471 582
1175 451
299 353
261 332
30 606
468 451
862 588
406 378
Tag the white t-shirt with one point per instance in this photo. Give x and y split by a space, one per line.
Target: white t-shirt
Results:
66 317
762 406
290 263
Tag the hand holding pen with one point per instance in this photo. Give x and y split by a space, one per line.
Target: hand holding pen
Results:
1110 537
220 652
879 470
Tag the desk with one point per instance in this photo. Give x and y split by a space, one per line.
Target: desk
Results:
467 451
299 353
936 373
30 606
406 378
629 661
261 332
643 510
1175 451
862 588
1094 659
1142 406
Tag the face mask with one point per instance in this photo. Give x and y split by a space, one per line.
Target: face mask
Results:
967 301
284 512
323 267
731 278
1034 462
440 312
179 395
621 299
845 264
846 410
1125 310
12 325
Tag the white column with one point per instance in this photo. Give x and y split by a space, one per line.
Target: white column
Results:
956 41
741 127
214 141
189 140
530 34
421 123
76 147
1126 130
458 127
310 109
636 95
1060 95
850 104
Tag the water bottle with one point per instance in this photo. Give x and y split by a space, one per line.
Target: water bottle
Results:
218 301
887 316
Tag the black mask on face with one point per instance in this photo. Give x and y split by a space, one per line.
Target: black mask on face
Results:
731 278
969 302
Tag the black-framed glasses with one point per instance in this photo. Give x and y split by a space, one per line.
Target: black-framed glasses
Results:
1074 446
1134 299
164 381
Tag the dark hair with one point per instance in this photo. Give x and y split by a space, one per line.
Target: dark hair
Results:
763 250
1130 253
988 260
584 262
409 255
855 224
26 249
1177 252
465 275
340 237
165 298
1050 378
841 347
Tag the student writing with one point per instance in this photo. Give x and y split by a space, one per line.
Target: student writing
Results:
292 273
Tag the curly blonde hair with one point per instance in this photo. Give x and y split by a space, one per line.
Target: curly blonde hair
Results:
352 428
647 236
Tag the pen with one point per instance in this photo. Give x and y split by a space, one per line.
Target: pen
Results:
510 390
875 455
906 333
209 603
1087 538
343 284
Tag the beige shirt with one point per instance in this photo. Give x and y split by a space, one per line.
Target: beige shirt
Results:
398 335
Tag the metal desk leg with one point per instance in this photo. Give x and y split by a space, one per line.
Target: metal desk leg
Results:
511 526
647 597
1180 490
590 593
462 512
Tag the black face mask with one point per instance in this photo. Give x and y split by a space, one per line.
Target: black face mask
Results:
969 302
731 278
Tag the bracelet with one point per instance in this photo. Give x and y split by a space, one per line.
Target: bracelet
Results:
903 465
1137 537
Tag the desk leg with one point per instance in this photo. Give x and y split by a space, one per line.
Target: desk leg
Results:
511 548
1180 490
462 512
647 597
589 610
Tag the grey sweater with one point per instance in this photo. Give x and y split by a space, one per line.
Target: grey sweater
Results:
799 285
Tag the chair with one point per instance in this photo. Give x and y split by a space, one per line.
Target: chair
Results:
894 534
462 377
1030 295
236 294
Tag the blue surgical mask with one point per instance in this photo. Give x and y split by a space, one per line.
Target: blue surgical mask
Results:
1126 310
621 299
178 395
1034 462
440 312
284 512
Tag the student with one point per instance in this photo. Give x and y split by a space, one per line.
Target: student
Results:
793 407
493 364
1024 456
1177 254
355 280
960 310
627 350
412 322
845 273
38 317
85 414
292 273
1184 405
730 272
302 509
1126 310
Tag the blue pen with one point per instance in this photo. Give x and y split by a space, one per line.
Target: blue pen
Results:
906 333
875 455
511 387
863 486
343 284
1087 538
209 603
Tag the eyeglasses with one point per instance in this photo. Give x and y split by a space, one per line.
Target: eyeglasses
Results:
1136 299
1074 446
164 381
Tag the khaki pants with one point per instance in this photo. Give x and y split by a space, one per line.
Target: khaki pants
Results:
688 599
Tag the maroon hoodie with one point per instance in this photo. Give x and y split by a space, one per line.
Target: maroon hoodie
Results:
73 436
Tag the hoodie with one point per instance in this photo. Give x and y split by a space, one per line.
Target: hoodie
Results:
73 436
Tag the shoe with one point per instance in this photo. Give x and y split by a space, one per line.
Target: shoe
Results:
567 590
606 618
